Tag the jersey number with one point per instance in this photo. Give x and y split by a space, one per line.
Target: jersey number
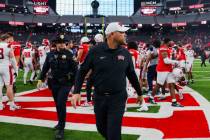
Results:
1 53
27 54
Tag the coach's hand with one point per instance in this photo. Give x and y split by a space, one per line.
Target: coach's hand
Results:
39 84
140 99
74 99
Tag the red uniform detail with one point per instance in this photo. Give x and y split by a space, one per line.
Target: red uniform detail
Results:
85 48
16 47
161 66
181 54
135 55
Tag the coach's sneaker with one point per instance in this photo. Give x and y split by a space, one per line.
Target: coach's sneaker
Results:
176 104
14 107
151 100
1 106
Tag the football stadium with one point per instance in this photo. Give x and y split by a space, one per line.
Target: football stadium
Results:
104 69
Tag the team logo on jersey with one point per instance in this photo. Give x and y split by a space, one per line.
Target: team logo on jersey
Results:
120 57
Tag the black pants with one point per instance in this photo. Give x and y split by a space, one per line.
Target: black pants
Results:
109 110
151 75
60 95
89 86
203 62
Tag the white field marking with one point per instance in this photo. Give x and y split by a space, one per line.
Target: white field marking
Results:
17 95
205 105
145 132
89 110
161 114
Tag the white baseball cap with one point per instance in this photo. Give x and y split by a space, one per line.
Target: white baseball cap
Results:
99 38
114 27
84 39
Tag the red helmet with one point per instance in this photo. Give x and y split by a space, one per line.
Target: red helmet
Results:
189 46
28 44
45 42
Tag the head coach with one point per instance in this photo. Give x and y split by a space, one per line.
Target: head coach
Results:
111 63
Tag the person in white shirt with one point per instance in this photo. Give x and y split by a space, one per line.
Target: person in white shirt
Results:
7 62
190 56
43 50
27 61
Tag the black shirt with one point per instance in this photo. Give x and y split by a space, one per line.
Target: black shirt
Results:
63 67
109 68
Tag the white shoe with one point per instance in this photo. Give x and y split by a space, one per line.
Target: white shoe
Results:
143 108
14 107
87 104
162 97
1 107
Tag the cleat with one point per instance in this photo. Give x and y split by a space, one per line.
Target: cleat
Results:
149 93
14 107
143 108
176 104
152 101
163 97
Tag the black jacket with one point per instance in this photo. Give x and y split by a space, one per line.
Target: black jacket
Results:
109 70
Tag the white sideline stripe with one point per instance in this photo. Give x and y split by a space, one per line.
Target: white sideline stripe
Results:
145 132
89 110
204 105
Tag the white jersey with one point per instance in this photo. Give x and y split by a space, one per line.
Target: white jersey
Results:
42 54
190 55
28 55
4 54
